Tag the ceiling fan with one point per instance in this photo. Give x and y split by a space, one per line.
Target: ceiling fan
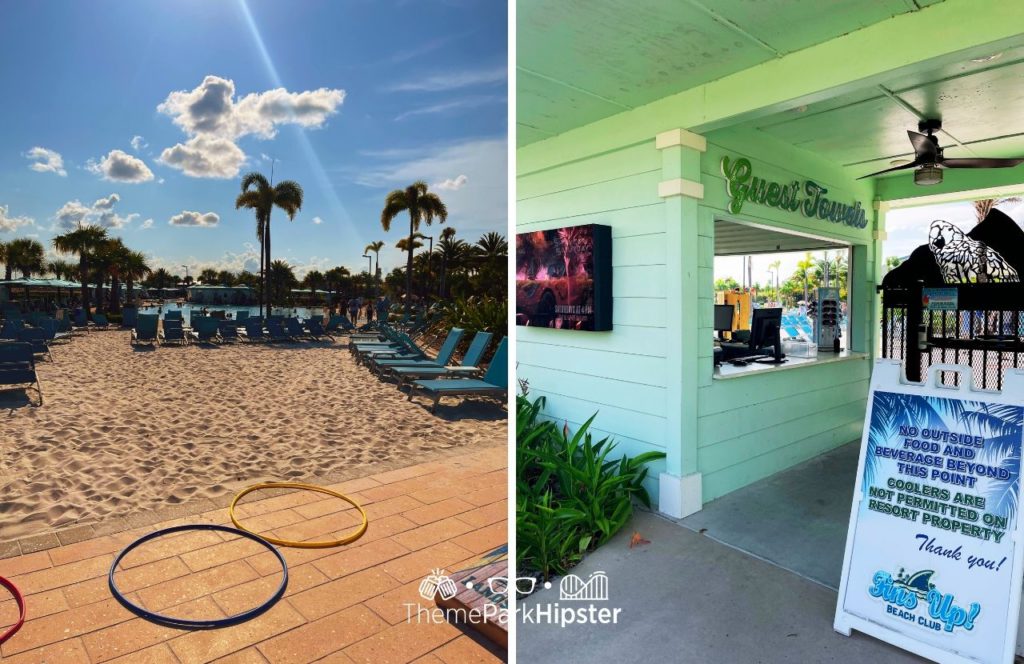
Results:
929 161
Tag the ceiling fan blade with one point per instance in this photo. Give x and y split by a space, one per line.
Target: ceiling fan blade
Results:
913 164
979 163
924 148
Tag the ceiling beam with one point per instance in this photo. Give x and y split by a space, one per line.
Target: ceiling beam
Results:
957 30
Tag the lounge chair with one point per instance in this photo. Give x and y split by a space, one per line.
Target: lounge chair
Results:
81 320
173 332
470 365
493 384
295 331
275 330
254 330
379 362
174 314
145 330
316 329
100 321
129 316
403 345
18 366
228 330
10 329
241 315
53 332
36 338
204 329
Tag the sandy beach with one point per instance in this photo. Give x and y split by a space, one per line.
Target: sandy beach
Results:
125 430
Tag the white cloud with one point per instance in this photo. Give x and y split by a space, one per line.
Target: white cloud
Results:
453 105
214 119
205 157
101 213
452 184
480 208
119 166
454 80
46 161
9 223
106 203
190 218
317 220
146 224
138 143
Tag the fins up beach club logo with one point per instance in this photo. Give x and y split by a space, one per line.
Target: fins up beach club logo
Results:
742 186
914 598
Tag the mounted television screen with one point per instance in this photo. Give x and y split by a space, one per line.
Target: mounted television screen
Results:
564 278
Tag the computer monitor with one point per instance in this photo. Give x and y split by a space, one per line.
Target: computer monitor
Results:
765 331
723 318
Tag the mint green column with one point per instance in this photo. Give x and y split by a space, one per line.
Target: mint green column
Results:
681 190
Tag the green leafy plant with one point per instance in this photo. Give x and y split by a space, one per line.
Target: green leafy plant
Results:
572 494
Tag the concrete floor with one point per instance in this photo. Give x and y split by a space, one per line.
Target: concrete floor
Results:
686 598
796 519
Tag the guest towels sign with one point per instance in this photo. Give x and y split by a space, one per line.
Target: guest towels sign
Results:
933 555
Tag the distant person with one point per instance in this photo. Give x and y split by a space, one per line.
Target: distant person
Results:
383 305
353 310
369 310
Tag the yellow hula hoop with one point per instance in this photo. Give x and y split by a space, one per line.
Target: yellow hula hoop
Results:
353 536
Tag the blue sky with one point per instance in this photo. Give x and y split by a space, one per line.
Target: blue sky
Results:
142 116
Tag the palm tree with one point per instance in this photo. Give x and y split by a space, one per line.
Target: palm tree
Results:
403 244
493 247
282 280
26 255
453 253
134 267
208 276
82 241
375 247
423 207
7 264
259 195
803 268
334 279
61 269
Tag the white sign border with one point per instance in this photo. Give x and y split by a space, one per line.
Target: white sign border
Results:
888 376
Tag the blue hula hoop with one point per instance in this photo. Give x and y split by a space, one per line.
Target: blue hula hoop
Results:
171 621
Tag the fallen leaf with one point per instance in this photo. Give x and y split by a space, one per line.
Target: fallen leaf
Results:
637 540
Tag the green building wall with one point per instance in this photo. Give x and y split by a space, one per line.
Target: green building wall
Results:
650 379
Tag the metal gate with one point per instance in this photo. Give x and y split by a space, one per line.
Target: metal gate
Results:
986 332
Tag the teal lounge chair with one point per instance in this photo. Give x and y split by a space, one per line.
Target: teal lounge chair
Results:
204 329
294 330
35 337
241 315
254 330
145 330
228 330
444 354
10 329
100 321
173 332
275 330
316 329
470 366
18 366
173 315
493 384
128 316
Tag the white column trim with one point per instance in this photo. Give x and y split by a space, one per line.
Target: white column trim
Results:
681 187
687 139
679 497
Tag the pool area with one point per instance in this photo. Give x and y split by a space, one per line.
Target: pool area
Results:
230 311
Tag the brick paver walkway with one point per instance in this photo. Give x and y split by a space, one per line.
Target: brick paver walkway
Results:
344 604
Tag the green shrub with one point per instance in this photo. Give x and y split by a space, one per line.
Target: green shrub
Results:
570 497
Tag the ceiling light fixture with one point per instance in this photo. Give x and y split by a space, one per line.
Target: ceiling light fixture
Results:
987 58
928 175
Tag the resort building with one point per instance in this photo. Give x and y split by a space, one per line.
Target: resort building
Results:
751 138
212 294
